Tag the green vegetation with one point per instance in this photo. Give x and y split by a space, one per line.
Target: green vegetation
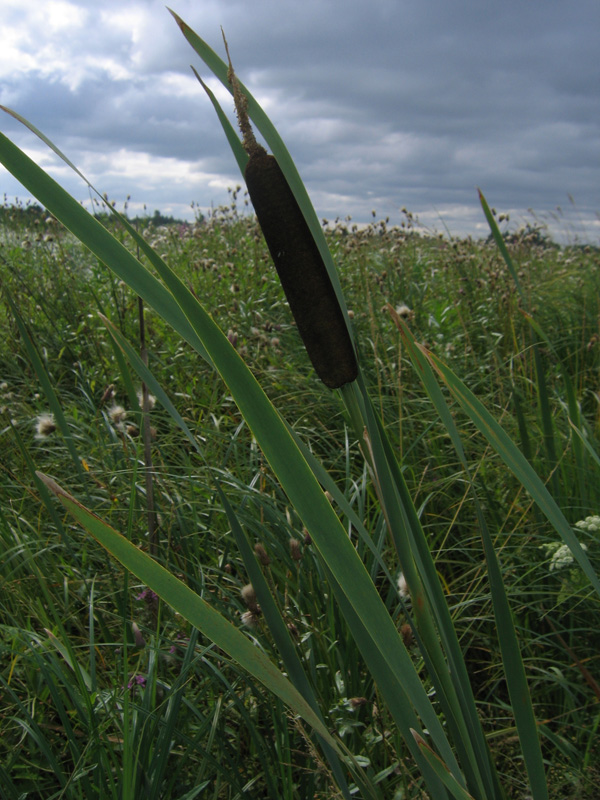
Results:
392 592
83 701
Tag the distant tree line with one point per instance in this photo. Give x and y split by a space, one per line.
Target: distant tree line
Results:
30 214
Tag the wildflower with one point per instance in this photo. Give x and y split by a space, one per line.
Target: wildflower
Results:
560 555
136 680
589 524
44 426
149 597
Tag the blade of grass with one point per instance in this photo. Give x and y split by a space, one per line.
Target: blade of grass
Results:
501 245
450 678
441 770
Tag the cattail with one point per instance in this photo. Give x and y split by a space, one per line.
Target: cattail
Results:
299 264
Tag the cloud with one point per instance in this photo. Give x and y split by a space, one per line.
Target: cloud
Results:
382 103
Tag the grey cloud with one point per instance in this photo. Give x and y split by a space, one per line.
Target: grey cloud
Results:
406 103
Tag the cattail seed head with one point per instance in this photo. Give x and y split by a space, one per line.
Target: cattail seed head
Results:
302 272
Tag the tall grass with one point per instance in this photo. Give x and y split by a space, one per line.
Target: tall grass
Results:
476 680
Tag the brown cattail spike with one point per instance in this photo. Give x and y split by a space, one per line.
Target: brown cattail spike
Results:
301 269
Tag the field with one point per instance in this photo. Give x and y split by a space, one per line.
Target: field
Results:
105 691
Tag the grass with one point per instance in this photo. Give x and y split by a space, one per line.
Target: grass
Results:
88 710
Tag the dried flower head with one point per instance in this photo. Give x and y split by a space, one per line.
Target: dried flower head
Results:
407 634
151 400
295 549
117 414
44 426
262 554
250 618
249 597
109 393
403 587
404 311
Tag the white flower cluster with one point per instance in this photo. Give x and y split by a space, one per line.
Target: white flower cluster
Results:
559 554
590 524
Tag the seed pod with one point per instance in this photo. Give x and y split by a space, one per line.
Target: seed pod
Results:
302 272
301 269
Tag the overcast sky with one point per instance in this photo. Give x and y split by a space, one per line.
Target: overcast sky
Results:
383 104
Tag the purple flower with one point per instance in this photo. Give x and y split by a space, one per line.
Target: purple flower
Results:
137 680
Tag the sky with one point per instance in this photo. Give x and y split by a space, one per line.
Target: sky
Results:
384 104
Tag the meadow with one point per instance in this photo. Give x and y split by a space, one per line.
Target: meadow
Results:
106 691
